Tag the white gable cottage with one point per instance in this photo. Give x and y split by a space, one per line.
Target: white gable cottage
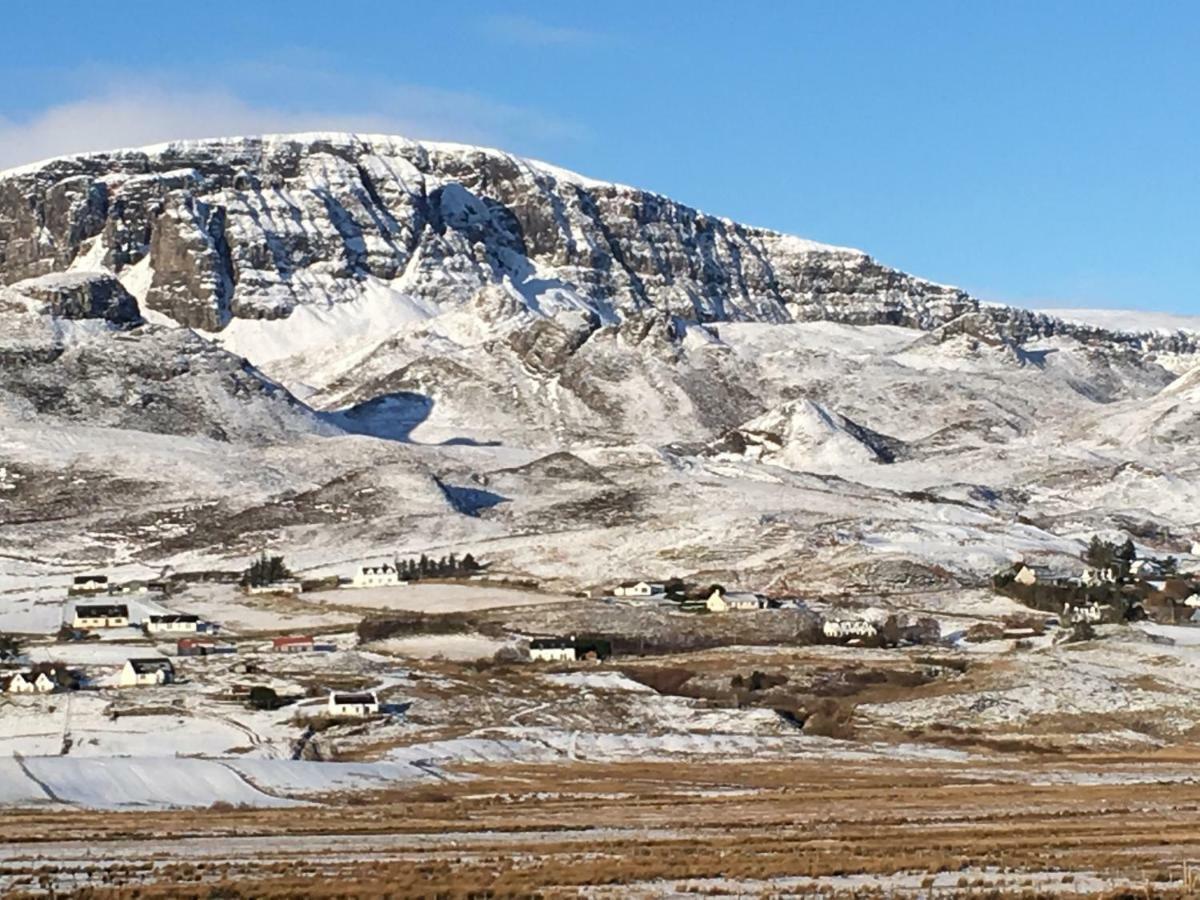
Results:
28 683
146 672
721 600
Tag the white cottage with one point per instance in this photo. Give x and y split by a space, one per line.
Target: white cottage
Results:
87 615
146 672
721 600
172 623
377 576
639 589
354 705
275 587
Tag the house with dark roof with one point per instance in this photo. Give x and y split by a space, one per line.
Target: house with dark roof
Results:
88 584
146 672
95 615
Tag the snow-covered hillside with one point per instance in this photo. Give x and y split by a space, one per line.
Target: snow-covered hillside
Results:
340 345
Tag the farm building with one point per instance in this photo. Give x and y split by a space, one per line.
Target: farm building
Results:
356 705
295 643
146 672
385 575
100 616
172 623
639 589
201 647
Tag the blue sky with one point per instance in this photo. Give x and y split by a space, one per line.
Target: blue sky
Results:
1039 153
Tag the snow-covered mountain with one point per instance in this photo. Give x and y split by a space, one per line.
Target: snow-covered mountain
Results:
338 344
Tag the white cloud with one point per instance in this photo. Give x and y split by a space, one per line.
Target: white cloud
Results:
532 33
131 117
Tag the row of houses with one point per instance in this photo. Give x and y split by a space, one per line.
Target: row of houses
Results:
90 616
88 585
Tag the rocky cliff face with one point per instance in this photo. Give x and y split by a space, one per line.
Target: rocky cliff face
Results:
253 227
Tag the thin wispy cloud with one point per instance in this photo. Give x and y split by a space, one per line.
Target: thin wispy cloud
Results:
534 33
130 115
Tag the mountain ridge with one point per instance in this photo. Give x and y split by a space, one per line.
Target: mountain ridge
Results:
254 227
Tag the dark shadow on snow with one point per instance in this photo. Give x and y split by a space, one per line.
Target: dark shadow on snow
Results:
393 417
470 501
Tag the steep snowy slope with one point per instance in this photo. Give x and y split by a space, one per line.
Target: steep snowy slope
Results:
73 349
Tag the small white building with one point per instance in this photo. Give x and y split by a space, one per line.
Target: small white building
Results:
1085 612
146 672
353 705
172 623
1146 568
721 600
552 650
848 628
639 589
275 587
89 584
377 576
28 683
87 615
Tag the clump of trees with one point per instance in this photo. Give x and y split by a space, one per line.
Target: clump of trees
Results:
265 570
1102 554
10 647
446 567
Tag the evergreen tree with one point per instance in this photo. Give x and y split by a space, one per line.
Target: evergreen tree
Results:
1127 552
469 564
1099 553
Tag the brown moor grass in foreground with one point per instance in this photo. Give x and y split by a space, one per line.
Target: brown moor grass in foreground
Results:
552 830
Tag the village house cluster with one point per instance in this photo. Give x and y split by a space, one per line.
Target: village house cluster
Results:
1115 584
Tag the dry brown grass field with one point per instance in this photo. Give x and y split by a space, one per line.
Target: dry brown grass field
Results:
1069 826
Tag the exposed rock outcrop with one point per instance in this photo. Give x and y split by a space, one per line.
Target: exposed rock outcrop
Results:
82 295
